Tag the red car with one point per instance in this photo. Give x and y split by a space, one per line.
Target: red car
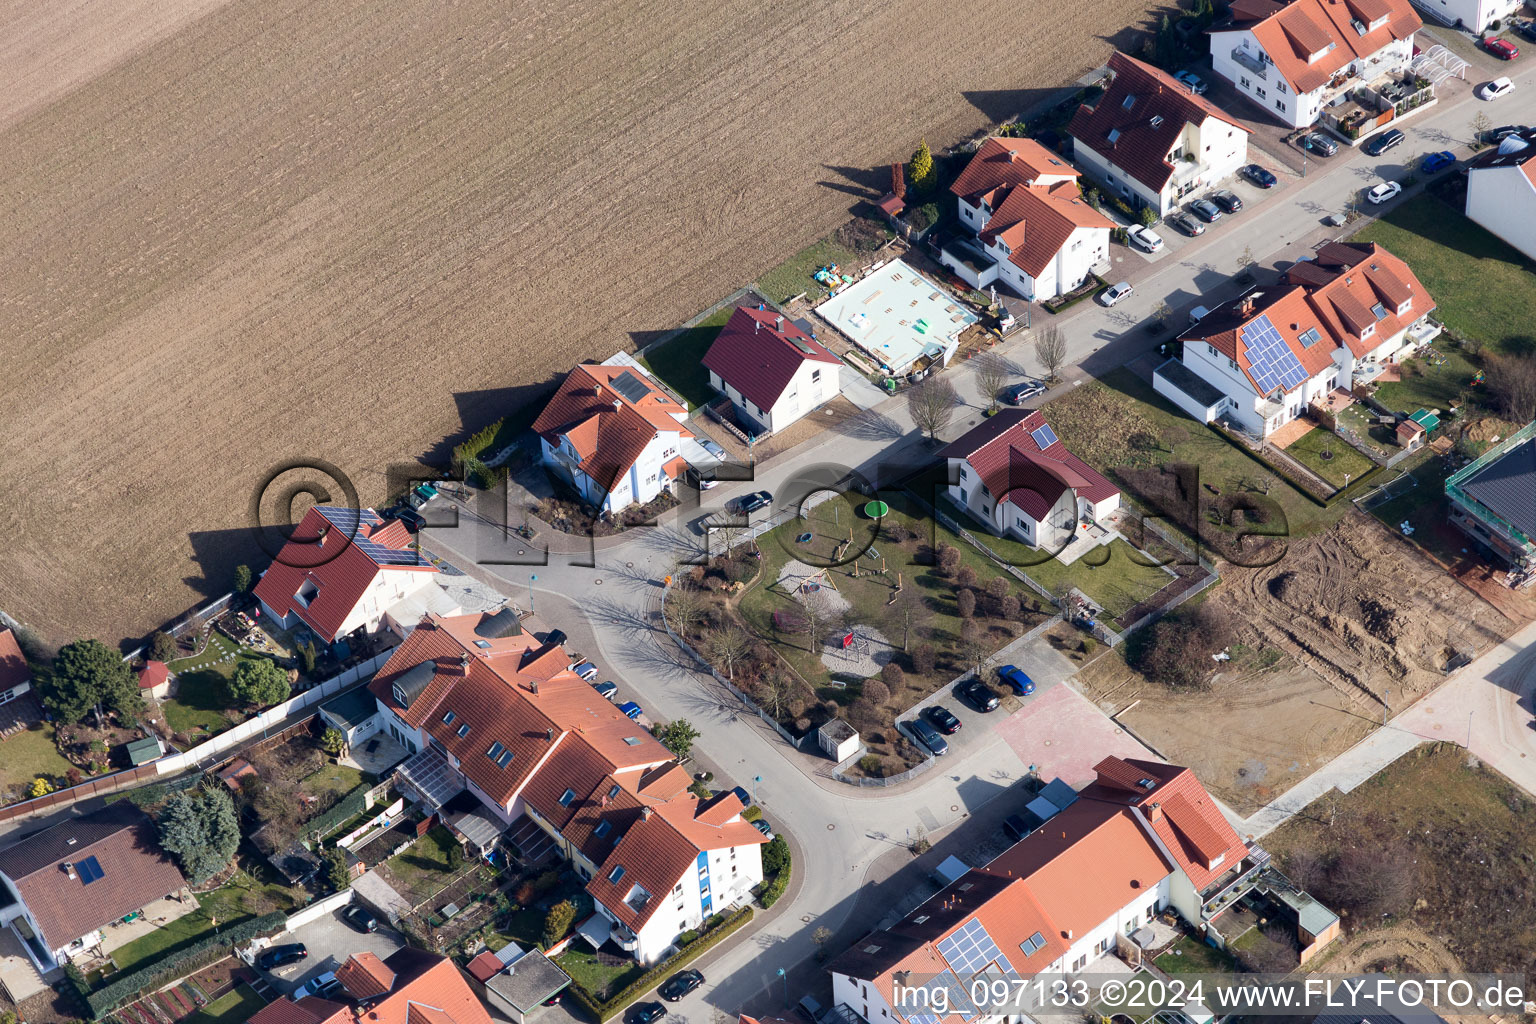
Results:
1501 48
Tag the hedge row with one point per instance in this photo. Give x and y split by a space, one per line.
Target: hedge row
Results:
467 455
606 1011
774 889
347 808
1292 478
215 947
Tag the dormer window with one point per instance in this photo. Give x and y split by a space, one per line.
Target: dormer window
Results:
1367 330
463 730
1129 102
306 592
567 798
399 696
1403 307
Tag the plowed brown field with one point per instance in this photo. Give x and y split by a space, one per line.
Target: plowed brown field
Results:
240 233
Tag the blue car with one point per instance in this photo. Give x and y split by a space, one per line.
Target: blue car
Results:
1015 679
1259 176
1434 163
631 709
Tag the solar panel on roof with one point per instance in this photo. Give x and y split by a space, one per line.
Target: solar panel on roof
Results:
970 949
89 870
1270 361
630 386
1044 436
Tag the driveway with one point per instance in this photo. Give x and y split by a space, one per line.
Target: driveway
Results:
330 940
1064 735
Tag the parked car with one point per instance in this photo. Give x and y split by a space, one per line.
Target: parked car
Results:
754 501
761 824
1501 48
1383 192
1527 29
929 737
647 1013
1205 210
631 709
1383 142
314 986
742 795
1434 163
1015 827
413 520
1502 132
1115 292
555 638
680 984
1144 237
1229 201
1260 176
1023 392
713 448
1014 678
1319 144
1187 224
586 670
1195 82
608 690
279 956
1495 89
979 695
361 918
943 719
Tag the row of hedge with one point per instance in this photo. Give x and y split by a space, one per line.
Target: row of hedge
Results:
608 1009
1294 479
182 962
467 459
345 809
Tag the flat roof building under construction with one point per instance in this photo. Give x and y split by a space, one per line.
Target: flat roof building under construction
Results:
904 321
1493 498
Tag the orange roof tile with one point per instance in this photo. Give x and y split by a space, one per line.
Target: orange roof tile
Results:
364 976
1310 40
1008 162
428 990
1035 221
607 429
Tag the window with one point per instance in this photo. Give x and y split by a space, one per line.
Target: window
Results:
613 791
1279 104
1259 92
1211 347
464 730
1114 135
448 718
815 375
494 751
677 889
617 873
1077 964
1130 101
1380 311
1232 363
1309 337
603 828
567 798
1243 82
1281 86
1367 330
1402 307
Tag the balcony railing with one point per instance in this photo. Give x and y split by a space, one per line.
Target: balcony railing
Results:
1252 63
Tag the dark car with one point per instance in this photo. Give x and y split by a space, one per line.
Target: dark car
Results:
1385 141
1187 224
279 956
1502 132
361 919
1501 48
1228 201
1527 29
645 1013
943 719
680 984
413 520
1260 176
754 501
980 695
1021 393
1014 678
555 638
1434 163
1206 210
929 737
1318 144
742 795
1015 827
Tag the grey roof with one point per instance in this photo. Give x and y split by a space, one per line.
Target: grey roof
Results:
1507 486
530 980
414 680
351 709
477 828
46 848
1059 793
837 730
1186 380
142 751
1512 151
503 623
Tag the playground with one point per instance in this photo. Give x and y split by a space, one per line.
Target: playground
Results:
899 317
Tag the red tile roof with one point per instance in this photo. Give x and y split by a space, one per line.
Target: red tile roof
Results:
1147 130
1014 468
427 989
45 869
485 966
364 976
1035 221
608 431
151 675
13 667
309 1010
758 352
1009 162
322 553
1297 32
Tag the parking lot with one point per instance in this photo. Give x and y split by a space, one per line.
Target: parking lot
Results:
330 940
1064 734
1175 241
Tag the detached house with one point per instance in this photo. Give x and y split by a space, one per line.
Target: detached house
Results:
613 434
15 676
65 884
410 986
346 570
1152 140
1334 321
1143 838
1501 190
771 370
502 718
1297 59
1034 231
1013 474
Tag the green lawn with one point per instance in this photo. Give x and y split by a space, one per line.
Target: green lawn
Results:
599 980
1438 386
29 753
199 707
244 897
234 1007
679 363
428 855
1485 289
335 779
1190 956
215 650
1345 463
793 276
523 926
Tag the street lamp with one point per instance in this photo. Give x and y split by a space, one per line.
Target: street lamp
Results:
531 578
755 780
786 987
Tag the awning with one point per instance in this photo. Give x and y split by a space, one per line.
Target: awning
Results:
595 930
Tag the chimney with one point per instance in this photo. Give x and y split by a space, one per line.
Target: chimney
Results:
549 735
645 814
70 870
757 325
533 686
1068 934
320 537
617 404
1245 306
464 663
1154 812
1013 156
778 323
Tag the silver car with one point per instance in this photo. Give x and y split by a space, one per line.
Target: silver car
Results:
1115 292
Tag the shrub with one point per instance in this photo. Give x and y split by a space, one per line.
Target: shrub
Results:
646 982
861 234
162 646
924 659
524 894
752 813
1148 216
336 873
948 559
876 692
965 576
773 890
775 857
893 677
558 921
965 603
1009 607
40 787
688 938
869 764
545 883
1177 649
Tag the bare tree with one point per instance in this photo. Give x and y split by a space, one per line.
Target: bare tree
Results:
1512 380
727 646
1050 349
991 372
1373 883
684 607
775 692
823 935
906 609
817 614
931 404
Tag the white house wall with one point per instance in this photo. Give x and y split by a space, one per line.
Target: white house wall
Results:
1503 200
1269 90
813 385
